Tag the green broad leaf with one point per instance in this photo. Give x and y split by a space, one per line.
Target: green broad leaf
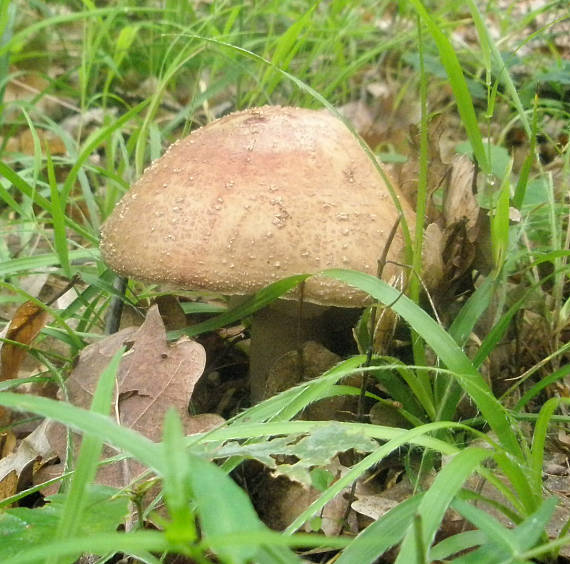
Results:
140 542
223 508
22 528
319 447
497 537
433 66
557 73
499 161
529 532
321 479
316 448
261 451
399 438
276 555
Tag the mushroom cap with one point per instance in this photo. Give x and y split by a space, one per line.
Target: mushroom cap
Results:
253 197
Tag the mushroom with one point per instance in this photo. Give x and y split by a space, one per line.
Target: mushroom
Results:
253 197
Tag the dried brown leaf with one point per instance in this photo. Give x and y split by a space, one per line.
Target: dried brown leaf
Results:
24 142
437 170
34 448
365 121
432 260
27 322
152 378
373 506
460 204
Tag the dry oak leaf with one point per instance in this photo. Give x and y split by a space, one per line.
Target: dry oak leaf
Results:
152 378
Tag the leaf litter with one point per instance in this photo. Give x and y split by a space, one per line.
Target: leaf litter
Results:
152 378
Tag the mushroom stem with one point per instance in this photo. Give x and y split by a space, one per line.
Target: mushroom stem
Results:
277 330
283 327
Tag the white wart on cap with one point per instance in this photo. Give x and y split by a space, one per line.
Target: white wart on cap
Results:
256 196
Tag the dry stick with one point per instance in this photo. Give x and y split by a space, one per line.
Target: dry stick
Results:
369 352
370 349
67 287
116 306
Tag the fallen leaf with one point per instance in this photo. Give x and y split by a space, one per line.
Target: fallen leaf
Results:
432 261
27 322
155 377
8 443
279 500
33 451
286 373
459 204
25 142
437 170
25 325
373 506
152 378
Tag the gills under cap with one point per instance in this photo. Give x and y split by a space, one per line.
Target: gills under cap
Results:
256 196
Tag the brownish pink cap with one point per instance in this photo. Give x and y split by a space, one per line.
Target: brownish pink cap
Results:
253 197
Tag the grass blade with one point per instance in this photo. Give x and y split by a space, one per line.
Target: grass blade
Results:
445 347
384 533
458 85
88 458
436 500
91 423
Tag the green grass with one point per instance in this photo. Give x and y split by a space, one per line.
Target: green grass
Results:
155 73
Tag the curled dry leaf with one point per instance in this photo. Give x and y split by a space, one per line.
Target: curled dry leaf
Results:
17 468
279 500
451 243
152 378
461 214
24 327
437 170
27 322
460 205
432 260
